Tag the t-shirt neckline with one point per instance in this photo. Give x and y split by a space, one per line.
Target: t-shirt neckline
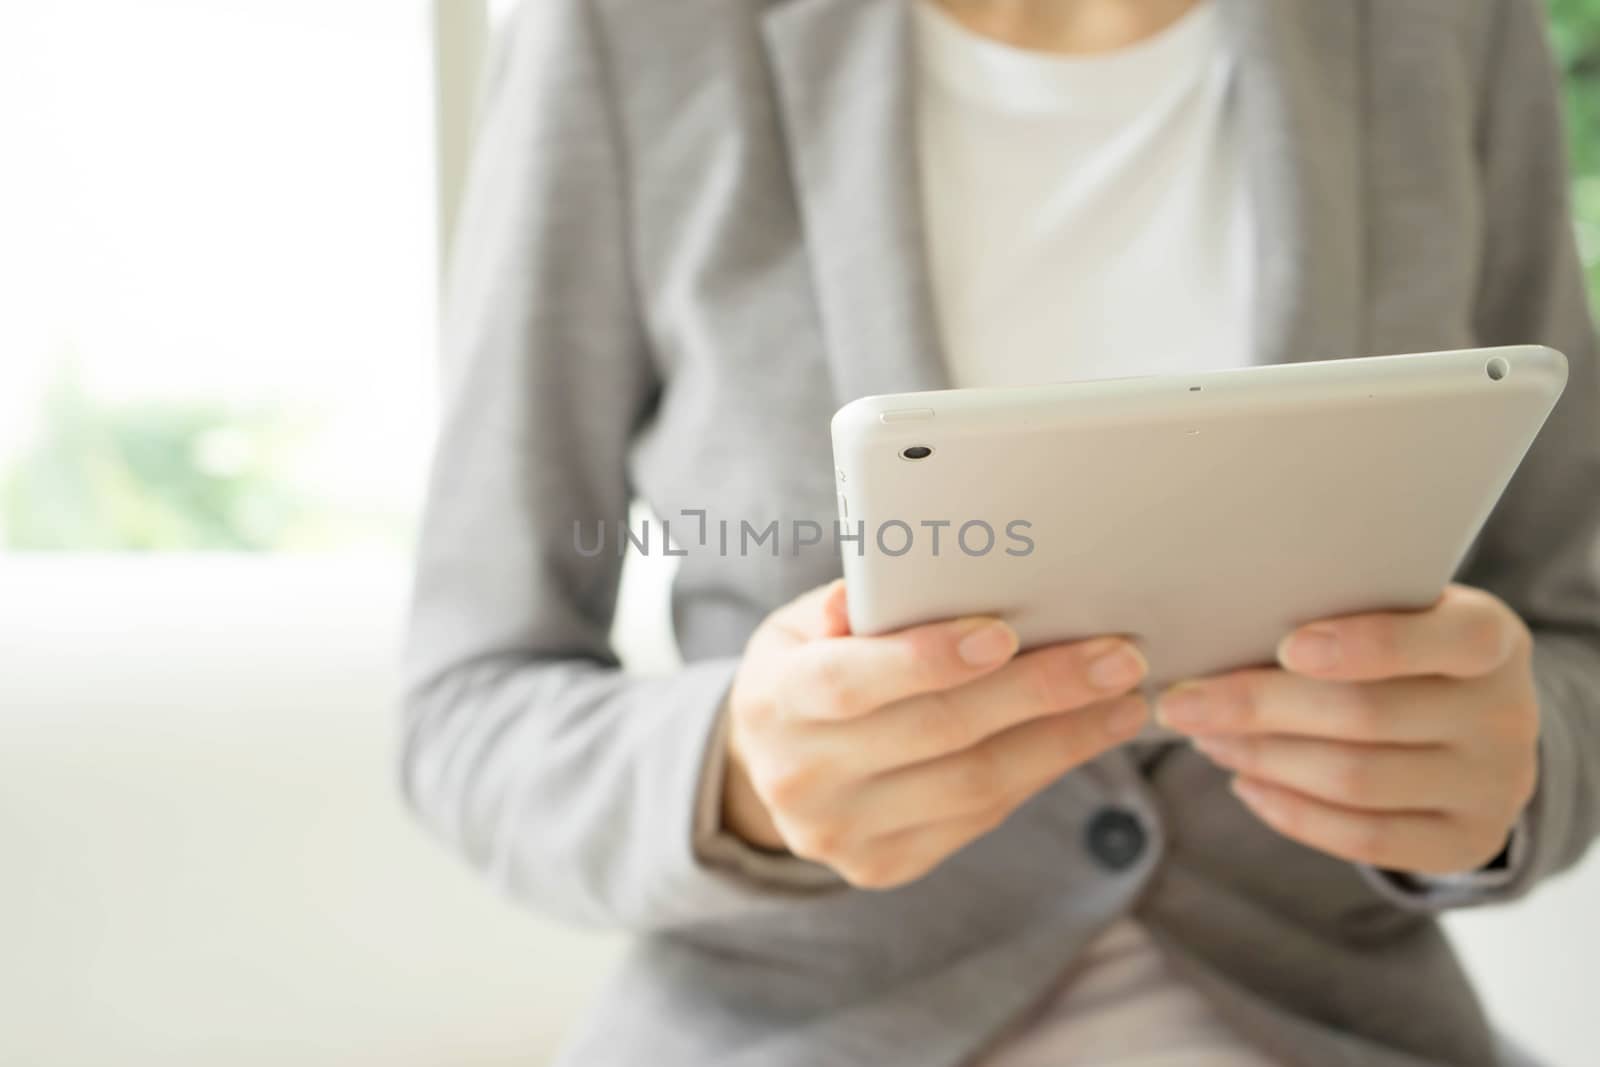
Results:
988 72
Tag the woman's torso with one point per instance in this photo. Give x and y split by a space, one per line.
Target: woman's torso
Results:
780 270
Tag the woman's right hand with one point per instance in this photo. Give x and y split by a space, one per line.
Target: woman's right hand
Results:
881 756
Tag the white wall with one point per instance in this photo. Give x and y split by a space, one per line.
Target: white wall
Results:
203 859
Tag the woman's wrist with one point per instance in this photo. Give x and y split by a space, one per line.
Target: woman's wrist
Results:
743 813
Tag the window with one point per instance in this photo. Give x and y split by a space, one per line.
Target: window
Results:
223 233
220 270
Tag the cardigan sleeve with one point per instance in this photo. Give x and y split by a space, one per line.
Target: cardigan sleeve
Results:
1540 550
525 747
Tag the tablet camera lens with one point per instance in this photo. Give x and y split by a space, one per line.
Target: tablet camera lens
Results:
916 452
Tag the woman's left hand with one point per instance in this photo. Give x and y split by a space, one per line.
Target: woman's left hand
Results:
1406 741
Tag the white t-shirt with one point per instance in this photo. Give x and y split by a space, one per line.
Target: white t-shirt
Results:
1087 217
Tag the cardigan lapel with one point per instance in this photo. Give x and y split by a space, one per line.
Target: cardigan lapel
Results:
845 77
1301 86
844 72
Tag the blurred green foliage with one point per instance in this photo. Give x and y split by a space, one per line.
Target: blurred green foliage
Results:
1575 27
173 477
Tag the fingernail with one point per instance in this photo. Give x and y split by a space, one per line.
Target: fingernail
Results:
1309 650
1127 717
991 643
1185 707
1117 669
1225 751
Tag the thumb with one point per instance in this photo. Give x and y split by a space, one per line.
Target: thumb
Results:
816 614
835 610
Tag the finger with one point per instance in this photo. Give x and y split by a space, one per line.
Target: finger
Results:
1362 777
1418 842
836 610
1005 769
1046 681
1467 634
1402 711
814 614
846 677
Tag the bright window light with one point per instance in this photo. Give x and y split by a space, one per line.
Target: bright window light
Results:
219 273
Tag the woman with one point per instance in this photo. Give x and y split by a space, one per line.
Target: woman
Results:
696 228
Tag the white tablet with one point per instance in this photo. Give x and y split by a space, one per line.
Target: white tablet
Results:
1204 515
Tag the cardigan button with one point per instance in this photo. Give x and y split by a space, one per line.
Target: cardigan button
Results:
1115 838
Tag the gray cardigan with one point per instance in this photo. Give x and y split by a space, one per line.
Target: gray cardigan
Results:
691 232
